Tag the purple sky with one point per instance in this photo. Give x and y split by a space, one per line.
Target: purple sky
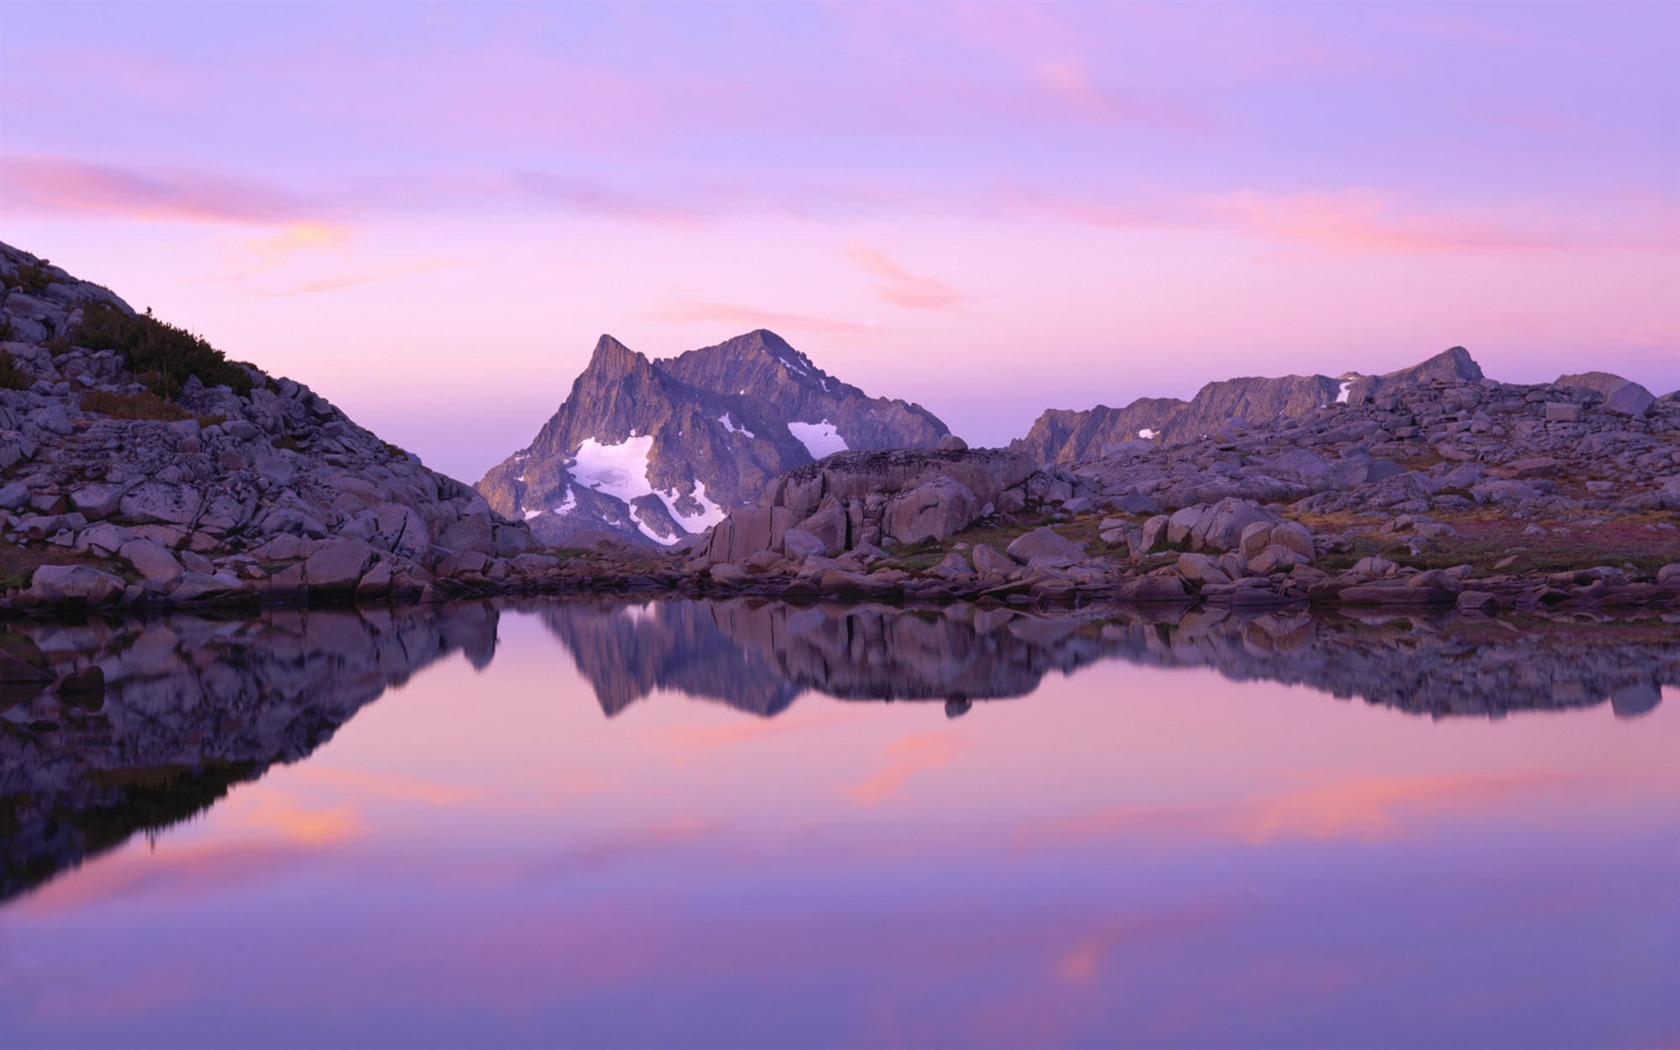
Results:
429 212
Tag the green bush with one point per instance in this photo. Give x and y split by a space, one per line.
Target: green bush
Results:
161 356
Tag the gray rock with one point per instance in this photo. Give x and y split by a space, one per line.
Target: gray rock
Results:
1563 412
160 502
830 525
61 583
1201 570
151 559
338 566
207 587
989 562
1044 542
936 509
797 543
97 500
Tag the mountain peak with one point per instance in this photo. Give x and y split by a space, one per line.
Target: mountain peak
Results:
612 359
1453 363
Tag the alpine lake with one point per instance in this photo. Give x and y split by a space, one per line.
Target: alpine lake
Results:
751 824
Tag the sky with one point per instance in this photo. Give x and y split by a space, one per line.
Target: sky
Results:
429 212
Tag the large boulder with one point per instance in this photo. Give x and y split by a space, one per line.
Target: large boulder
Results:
74 583
746 531
151 559
830 525
1044 542
1220 527
935 509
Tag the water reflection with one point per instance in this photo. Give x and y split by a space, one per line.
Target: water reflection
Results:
192 706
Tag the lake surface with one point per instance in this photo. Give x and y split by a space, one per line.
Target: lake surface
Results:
681 824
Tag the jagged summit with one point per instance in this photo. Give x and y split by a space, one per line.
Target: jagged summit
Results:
657 451
1067 436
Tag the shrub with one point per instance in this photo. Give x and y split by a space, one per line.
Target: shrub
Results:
161 356
32 279
144 405
7 331
11 376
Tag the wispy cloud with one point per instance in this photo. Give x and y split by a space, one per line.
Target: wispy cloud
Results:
902 288
64 186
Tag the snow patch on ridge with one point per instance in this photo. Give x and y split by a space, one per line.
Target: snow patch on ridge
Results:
819 439
1147 434
1342 394
729 425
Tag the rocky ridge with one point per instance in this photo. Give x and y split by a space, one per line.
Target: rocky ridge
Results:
1062 436
249 488
656 452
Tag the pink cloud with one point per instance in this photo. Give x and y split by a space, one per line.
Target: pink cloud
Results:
61 186
901 287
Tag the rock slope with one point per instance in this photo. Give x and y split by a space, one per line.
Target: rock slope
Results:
137 464
656 452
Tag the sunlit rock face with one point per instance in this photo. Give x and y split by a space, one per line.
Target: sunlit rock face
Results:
656 452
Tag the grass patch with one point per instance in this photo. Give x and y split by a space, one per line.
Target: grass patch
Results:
144 405
162 356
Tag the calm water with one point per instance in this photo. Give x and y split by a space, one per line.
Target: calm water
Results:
694 825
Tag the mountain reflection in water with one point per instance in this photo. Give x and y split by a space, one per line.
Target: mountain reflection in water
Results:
195 705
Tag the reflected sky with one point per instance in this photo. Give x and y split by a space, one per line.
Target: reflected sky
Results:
1130 855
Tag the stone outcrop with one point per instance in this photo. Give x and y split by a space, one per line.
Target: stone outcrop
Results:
860 499
656 452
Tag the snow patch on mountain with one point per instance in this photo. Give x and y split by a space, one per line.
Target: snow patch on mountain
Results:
729 425
819 439
616 470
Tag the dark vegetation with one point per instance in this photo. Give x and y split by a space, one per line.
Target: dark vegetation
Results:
161 355
30 279
11 376
144 405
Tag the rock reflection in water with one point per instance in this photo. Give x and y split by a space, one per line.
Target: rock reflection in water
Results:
191 706
760 656
195 705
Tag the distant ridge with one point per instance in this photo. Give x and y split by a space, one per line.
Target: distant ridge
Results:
1068 436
